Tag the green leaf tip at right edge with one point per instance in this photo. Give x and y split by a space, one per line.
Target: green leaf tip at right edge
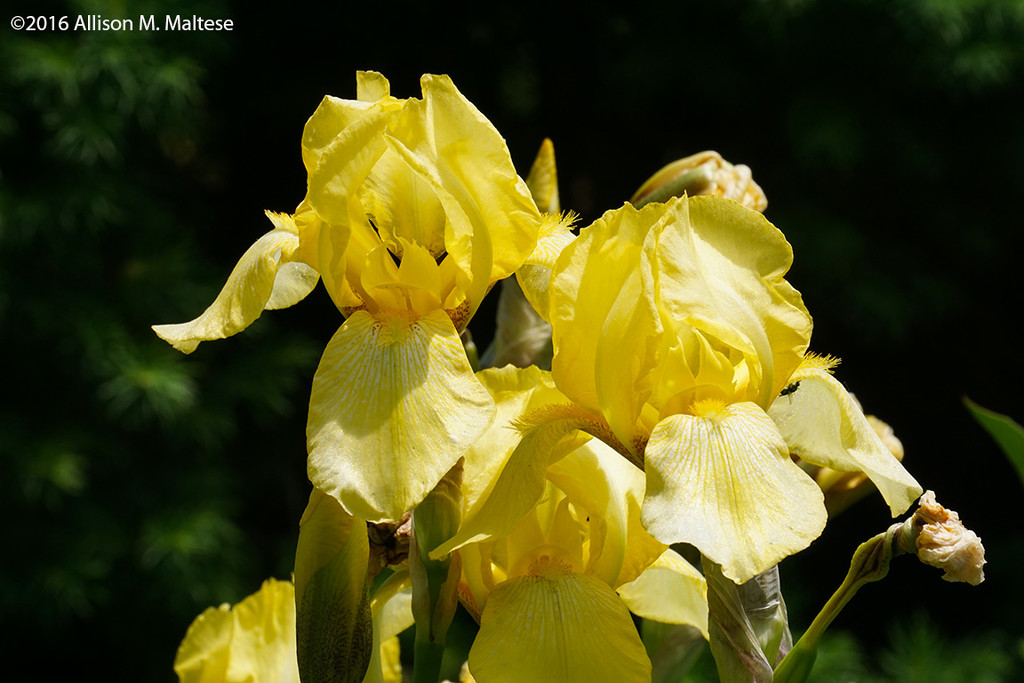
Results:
1004 430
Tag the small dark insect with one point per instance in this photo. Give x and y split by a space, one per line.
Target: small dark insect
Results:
790 389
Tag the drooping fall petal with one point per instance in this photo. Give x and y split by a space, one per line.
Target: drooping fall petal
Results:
725 483
394 405
822 424
265 277
570 628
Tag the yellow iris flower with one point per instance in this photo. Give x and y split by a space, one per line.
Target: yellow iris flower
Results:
413 211
252 641
679 341
255 639
554 557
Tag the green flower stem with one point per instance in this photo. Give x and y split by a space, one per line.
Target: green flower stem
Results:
870 563
434 582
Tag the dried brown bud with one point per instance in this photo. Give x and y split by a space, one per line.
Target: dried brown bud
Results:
943 541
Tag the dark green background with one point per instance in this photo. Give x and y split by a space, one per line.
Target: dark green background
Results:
139 486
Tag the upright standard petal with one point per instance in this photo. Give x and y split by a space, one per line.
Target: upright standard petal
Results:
720 269
822 424
266 277
568 628
394 405
492 221
723 481
603 321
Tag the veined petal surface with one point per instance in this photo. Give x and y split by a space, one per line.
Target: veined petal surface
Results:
394 405
822 424
725 483
571 628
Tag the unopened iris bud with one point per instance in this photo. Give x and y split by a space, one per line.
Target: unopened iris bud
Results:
702 173
938 538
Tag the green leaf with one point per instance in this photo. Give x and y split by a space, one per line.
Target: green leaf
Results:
1007 433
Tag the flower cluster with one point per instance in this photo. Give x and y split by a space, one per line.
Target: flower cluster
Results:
680 406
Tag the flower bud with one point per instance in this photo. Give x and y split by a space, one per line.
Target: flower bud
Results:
702 173
938 538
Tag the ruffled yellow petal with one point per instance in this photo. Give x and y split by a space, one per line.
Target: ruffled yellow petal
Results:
515 392
516 491
603 319
267 276
671 591
720 269
822 424
342 142
492 221
570 628
724 482
254 641
393 407
203 655
521 483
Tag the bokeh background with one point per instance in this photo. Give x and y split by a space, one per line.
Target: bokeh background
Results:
139 486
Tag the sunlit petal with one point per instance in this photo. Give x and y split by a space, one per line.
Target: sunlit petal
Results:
394 405
603 318
725 483
822 424
492 220
265 277
720 269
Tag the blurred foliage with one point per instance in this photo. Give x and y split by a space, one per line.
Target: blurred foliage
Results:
141 486
127 482
1004 430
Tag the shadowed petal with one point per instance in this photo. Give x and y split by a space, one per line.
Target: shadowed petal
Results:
571 628
671 591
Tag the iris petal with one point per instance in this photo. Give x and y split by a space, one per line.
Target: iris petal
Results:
821 423
725 483
265 277
572 628
394 405
671 591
